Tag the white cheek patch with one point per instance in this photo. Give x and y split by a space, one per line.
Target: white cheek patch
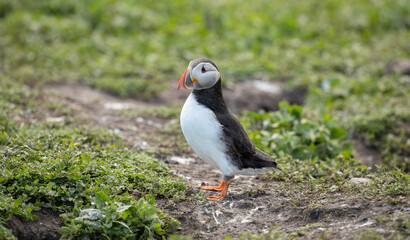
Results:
210 78
205 79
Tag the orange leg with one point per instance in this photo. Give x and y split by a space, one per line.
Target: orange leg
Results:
224 188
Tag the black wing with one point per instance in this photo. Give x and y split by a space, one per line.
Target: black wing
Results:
240 148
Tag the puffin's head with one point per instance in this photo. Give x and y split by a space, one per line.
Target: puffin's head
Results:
202 73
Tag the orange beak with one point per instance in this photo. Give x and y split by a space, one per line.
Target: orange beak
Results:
181 82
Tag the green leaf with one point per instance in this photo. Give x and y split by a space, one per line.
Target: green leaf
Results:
86 157
101 199
338 133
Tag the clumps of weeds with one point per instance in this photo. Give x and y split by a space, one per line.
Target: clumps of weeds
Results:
389 132
316 157
69 169
306 147
374 110
122 217
393 185
61 174
6 233
399 222
292 131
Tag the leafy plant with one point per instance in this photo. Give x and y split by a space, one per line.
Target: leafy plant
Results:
290 131
310 150
67 169
124 218
374 111
6 233
315 154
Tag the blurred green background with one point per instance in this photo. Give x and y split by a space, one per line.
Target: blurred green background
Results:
338 49
134 48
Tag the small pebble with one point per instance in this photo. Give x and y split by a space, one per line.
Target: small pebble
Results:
360 181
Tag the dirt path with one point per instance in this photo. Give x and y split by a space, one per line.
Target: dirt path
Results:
252 204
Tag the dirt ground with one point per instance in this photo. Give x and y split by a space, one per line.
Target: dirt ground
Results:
251 203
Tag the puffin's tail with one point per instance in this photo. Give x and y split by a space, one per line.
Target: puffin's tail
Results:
261 160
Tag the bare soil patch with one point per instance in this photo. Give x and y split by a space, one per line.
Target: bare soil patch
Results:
368 156
253 204
45 227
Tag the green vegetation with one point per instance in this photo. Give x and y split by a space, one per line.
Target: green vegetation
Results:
337 49
318 163
135 49
132 48
136 220
291 131
373 110
314 153
70 169
307 148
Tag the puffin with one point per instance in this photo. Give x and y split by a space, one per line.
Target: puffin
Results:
214 134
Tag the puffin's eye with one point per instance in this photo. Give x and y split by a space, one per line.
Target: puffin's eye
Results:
203 69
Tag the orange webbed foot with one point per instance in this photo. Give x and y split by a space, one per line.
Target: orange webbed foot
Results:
218 189
224 188
215 198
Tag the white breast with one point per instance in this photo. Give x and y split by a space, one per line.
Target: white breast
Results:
203 133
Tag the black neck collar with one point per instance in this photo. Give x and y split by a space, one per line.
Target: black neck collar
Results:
211 97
